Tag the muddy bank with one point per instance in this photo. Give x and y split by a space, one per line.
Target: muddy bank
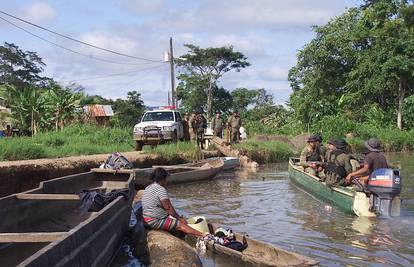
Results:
18 176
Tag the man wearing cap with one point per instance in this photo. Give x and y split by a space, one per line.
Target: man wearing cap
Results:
218 125
200 125
329 149
309 154
234 124
373 160
338 165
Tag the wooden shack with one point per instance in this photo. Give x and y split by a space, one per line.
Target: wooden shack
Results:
99 114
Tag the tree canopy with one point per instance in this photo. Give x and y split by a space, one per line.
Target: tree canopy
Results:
201 68
360 65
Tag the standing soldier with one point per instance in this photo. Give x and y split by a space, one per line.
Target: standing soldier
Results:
191 126
218 125
200 125
186 127
234 125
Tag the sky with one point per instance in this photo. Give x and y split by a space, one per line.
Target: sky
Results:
268 32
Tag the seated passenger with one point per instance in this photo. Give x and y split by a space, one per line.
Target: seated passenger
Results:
321 147
158 212
339 164
373 160
311 154
330 148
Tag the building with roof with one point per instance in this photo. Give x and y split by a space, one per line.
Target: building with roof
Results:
99 114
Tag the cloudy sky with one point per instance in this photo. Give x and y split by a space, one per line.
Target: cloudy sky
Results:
268 32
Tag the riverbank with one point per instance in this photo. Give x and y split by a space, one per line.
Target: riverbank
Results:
18 176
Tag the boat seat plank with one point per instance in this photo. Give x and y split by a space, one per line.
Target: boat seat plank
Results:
99 170
31 237
48 196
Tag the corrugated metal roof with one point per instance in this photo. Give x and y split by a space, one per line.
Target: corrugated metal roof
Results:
99 110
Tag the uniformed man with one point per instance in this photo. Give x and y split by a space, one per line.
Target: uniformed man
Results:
309 155
218 125
200 125
186 127
192 129
330 148
321 147
234 124
373 160
338 165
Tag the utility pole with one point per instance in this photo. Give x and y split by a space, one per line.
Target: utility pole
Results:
173 95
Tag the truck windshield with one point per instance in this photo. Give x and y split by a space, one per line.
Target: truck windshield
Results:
158 116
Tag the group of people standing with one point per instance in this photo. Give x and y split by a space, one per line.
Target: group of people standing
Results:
196 125
334 163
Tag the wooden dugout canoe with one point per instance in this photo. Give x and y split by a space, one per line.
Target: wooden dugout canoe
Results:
182 173
47 226
345 198
259 253
230 163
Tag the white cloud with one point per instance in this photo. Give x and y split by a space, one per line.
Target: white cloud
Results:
144 7
39 12
274 73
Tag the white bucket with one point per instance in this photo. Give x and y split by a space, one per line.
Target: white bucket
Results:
201 226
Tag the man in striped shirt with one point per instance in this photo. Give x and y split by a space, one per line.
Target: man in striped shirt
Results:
158 212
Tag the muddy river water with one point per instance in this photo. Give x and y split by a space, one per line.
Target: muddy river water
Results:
268 207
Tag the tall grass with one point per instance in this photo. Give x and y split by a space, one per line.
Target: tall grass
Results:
73 140
181 151
266 151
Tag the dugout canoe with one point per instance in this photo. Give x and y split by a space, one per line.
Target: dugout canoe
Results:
258 253
346 199
181 173
230 163
48 226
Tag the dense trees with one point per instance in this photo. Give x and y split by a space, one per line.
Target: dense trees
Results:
359 66
39 103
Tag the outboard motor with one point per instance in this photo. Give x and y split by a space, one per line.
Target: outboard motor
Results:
385 188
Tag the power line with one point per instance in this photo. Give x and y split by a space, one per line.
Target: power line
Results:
139 77
71 50
78 41
111 75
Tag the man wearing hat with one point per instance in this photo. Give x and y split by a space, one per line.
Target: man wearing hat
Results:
234 125
338 165
310 153
217 125
373 160
329 149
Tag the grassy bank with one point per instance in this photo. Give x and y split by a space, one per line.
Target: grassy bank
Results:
266 151
181 151
73 140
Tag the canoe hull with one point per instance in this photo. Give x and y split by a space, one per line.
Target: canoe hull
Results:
87 238
259 253
185 173
342 198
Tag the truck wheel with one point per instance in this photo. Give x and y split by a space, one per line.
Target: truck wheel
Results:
174 137
138 145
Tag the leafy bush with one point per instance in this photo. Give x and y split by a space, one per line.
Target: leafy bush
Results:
181 151
20 149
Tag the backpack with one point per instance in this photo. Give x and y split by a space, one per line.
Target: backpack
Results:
117 161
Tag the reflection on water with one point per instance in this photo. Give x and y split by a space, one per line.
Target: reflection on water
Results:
268 207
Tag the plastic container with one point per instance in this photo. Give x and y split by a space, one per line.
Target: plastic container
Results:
199 223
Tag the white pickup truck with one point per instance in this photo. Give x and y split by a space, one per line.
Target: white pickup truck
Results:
158 127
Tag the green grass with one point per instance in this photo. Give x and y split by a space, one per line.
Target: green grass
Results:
181 151
73 140
266 151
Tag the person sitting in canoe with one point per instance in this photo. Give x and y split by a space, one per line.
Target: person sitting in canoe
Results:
373 160
309 155
338 165
158 212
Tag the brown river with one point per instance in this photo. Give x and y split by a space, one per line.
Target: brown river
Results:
268 207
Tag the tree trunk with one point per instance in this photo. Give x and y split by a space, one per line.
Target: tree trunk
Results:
401 96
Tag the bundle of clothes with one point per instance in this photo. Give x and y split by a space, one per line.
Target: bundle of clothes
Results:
223 237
